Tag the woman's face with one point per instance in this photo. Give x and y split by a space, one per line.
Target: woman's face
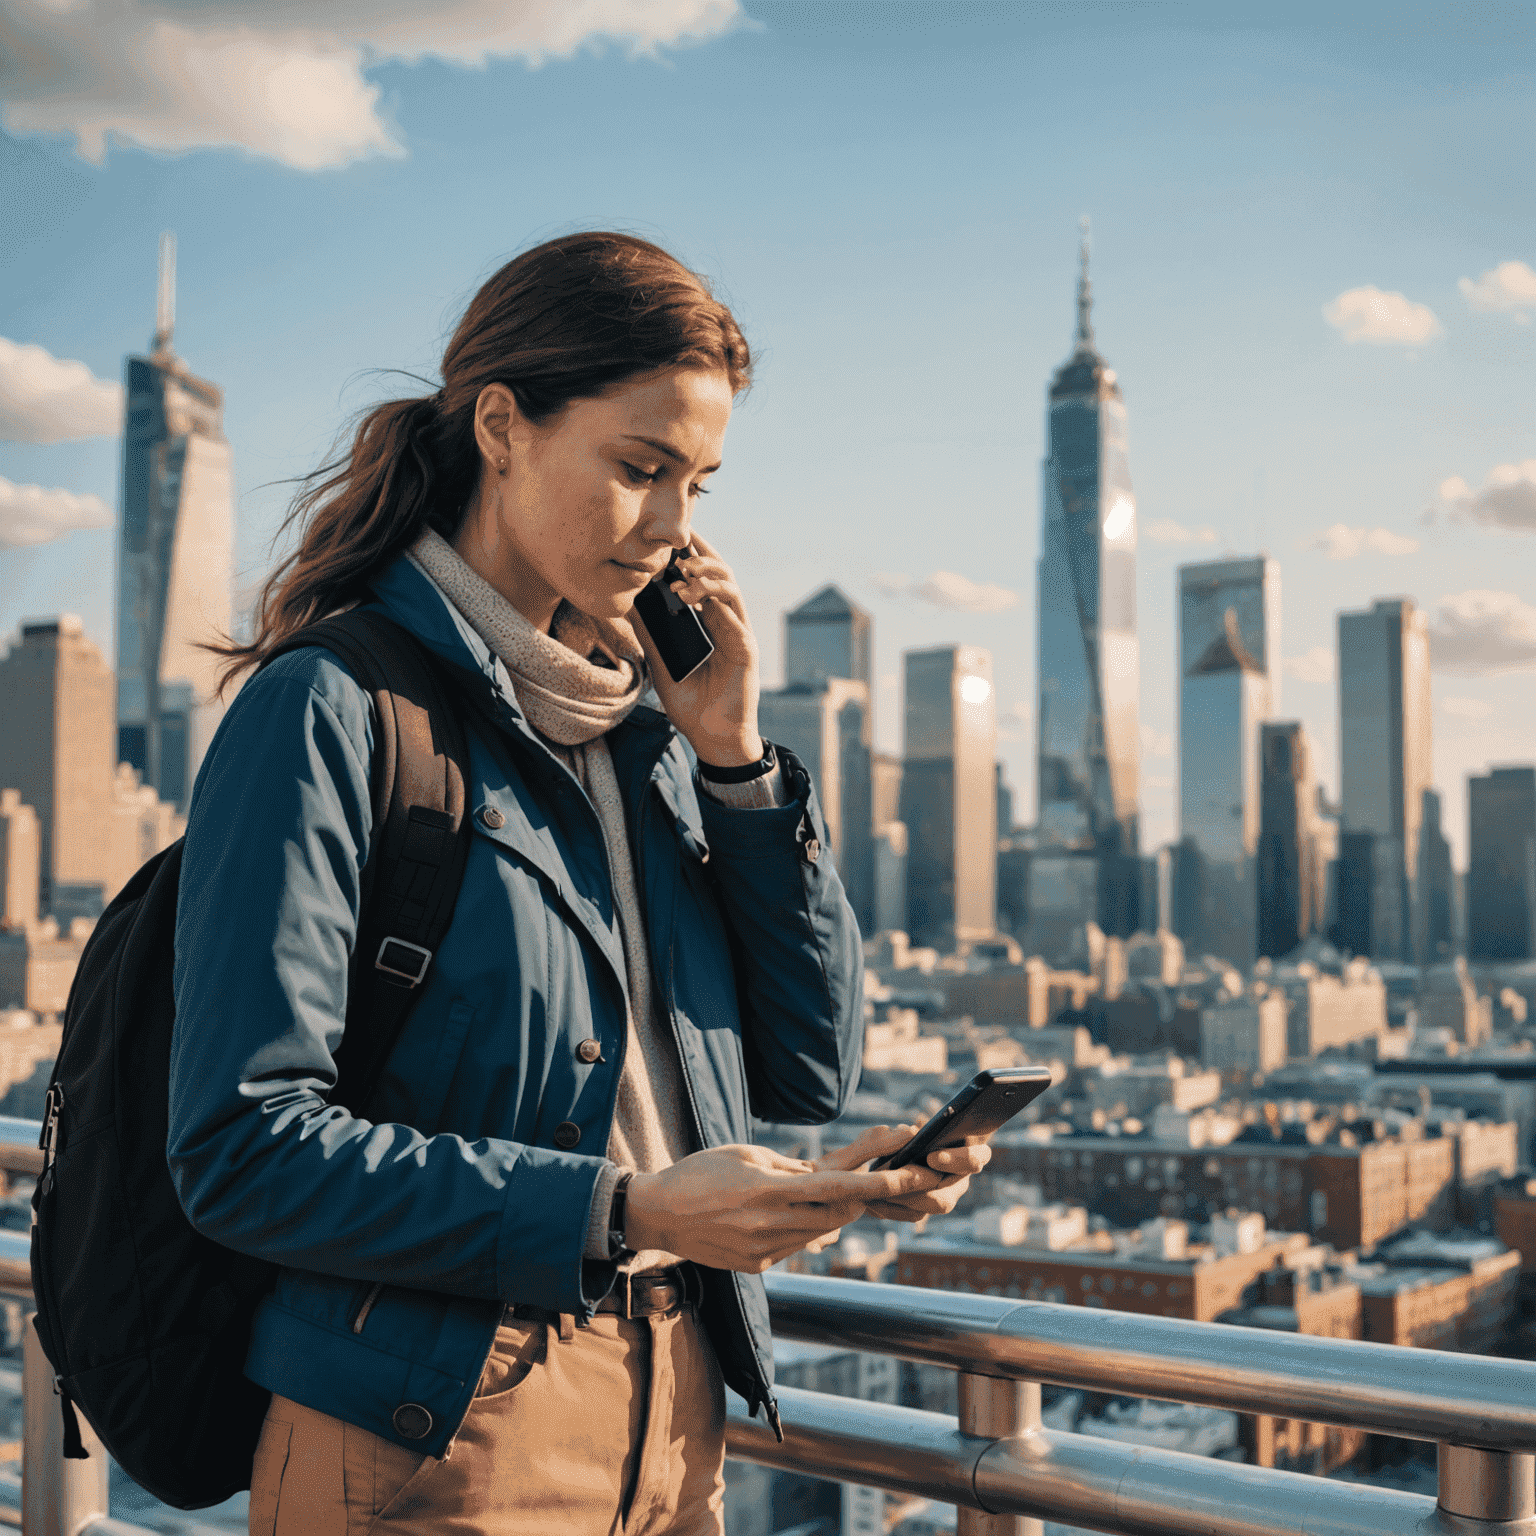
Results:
595 498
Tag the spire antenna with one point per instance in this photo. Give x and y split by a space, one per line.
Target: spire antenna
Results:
1084 289
165 305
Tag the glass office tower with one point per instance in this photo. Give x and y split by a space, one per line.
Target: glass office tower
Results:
949 794
175 560
1292 860
1384 742
1501 871
1088 656
1229 648
823 715
828 635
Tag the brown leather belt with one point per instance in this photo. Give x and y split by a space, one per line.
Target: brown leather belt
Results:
653 1294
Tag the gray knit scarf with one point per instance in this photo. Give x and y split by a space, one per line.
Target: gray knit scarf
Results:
573 684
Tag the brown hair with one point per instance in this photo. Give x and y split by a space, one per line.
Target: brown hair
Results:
561 322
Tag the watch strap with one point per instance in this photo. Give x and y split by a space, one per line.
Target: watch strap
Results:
743 773
617 1246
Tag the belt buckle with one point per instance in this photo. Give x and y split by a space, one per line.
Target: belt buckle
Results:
629 1295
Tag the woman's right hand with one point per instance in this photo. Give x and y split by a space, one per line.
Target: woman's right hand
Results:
745 1208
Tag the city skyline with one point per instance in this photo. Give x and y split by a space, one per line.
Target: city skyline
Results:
909 291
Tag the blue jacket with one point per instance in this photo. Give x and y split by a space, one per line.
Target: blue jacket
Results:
456 1197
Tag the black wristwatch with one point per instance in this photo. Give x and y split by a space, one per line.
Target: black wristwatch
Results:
745 772
617 1247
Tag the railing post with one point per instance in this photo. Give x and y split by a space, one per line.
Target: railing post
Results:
1491 1487
997 1409
58 1497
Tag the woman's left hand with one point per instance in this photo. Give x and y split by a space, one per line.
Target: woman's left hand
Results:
951 1170
715 706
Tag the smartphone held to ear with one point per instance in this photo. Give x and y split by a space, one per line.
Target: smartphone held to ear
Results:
677 632
977 1112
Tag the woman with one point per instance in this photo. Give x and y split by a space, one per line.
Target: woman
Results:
508 1298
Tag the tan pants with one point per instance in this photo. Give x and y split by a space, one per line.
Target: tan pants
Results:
617 1431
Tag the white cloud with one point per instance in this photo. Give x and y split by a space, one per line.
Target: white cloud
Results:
1343 543
285 80
1166 531
1466 709
1386 319
1156 743
1481 633
1316 666
1506 500
31 515
946 589
46 399
1509 288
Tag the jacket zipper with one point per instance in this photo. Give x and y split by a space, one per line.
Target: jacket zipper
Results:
670 993
367 1306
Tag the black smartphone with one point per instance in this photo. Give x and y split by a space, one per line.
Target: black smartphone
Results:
676 630
982 1108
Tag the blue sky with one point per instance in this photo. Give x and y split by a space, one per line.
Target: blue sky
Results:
889 195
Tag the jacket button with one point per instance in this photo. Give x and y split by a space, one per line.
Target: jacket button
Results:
412 1421
567 1134
491 817
590 1050
812 850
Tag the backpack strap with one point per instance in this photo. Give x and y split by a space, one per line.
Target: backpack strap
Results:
420 837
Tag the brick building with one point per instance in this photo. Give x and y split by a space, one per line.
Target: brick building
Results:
1514 1207
1351 1197
1437 1307
1333 1011
38 964
1301 1300
1200 1287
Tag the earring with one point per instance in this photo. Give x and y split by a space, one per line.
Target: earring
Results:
501 466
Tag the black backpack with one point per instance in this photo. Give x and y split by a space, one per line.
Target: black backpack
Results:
146 1322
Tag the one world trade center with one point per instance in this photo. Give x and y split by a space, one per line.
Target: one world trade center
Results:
1086 866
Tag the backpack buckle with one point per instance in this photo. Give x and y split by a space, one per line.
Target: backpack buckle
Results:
48 1141
403 960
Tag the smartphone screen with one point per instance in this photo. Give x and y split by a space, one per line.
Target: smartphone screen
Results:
980 1109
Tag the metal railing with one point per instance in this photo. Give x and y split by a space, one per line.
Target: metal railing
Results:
1007 1474
1003 1470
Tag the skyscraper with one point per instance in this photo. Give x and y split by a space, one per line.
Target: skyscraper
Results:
1436 941
827 726
175 559
1292 859
948 794
1089 658
1229 622
1501 868
95 824
828 635
1384 750
823 716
